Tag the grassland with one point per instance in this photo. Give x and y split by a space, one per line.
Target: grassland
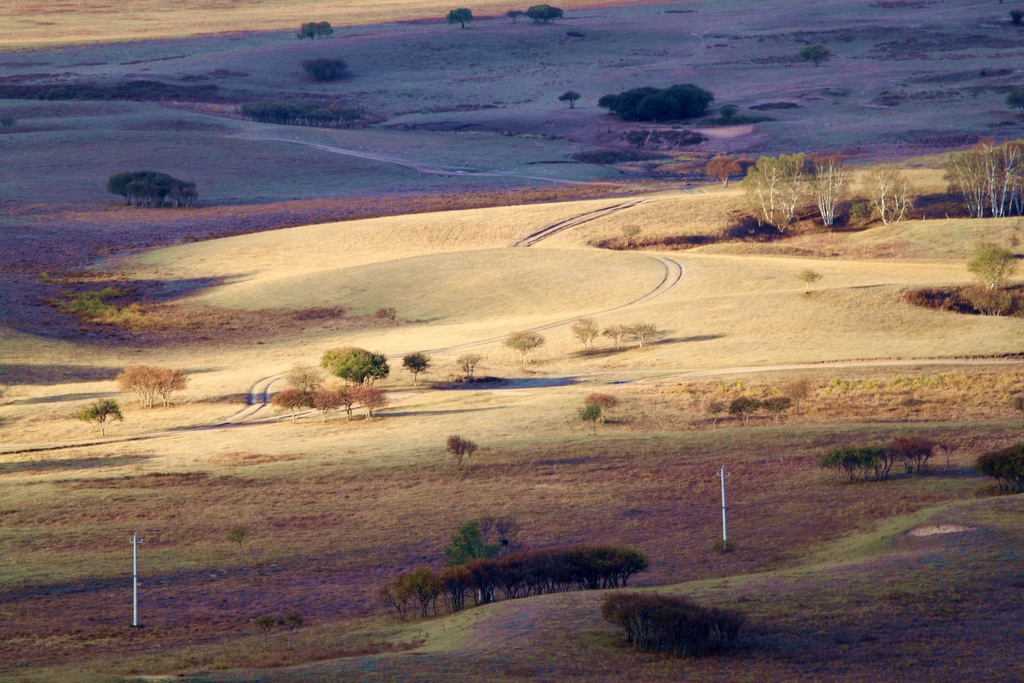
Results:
302 234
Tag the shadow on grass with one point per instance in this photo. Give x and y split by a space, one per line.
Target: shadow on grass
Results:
45 375
67 465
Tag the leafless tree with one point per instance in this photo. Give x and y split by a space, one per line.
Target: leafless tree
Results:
829 181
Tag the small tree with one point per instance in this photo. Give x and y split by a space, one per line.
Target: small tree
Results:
569 96
722 167
314 30
372 399
292 620
461 16
808 277
390 314
891 194
356 365
467 543
744 407
265 624
514 15
591 413
524 343
816 54
992 264
305 379
714 409
544 13
325 400
416 363
7 121
468 363
149 382
461 449
1015 100
777 405
325 69
1017 403
101 412
238 534
797 390
641 332
346 399
615 333
586 331
1006 466
290 400
605 401
829 180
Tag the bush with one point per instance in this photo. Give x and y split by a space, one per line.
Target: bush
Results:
324 69
914 451
859 463
544 13
654 104
672 624
1006 466
299 114
1016 16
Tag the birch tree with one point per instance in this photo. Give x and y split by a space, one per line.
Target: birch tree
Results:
829 182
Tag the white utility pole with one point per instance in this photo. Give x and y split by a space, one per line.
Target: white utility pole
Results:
725 533
135 578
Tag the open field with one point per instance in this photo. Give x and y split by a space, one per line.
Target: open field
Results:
474 203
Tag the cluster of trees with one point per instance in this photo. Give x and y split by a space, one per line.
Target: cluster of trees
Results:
516 575
151 188
149 383
306 388
658 104
790 396
541 14
299 114
325 68
523 343
594 408
874 463
314 30
586 331
1006 466
778 188
672 624
990 177
291 620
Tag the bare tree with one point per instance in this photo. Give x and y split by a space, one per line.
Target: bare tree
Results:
615 333
524 343
468 363
586 331
150 382
461 449
775 186
990 177
641 332
829 181
891 194
305 379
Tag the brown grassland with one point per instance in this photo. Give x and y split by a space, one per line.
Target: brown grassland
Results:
302 234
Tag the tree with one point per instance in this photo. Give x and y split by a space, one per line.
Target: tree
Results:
372 399
569 96
829 180
1017 403
797 390
265 624
544 13
290 400
714 409
722 167
605 401
744 407
808 277
525 343
326 399
152 189
390 314
305 379
346 399
615 333
891 194
416 363
101 411
355 365
7 121
777 405
325 69
238 534
1006 466
150 382
467 543
314 30
292 620
1015 100
655 104
585 330
461 16
461 449
641 332
990 178
774 186
514 15
992 264
816 54
1016 16
468 363
592 413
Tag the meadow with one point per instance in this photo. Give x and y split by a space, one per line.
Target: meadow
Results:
302 234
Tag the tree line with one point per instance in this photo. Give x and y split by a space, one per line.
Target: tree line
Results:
152 189
299 114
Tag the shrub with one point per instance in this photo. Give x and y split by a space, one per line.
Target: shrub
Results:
1016 16
672 624
723 545
299 114
859 463
914 451
654 104
324 69
314 30
461 449
1006 466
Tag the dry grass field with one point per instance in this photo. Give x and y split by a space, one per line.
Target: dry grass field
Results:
302 234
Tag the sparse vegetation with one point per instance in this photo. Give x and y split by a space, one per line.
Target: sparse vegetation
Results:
299 114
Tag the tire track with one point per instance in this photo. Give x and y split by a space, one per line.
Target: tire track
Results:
573 222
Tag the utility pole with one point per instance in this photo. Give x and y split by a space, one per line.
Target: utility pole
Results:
725 533
135 578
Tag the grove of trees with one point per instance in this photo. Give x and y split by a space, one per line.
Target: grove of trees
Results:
672 624
656 104
299 114
152 189
990 177
150 383
1006 466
